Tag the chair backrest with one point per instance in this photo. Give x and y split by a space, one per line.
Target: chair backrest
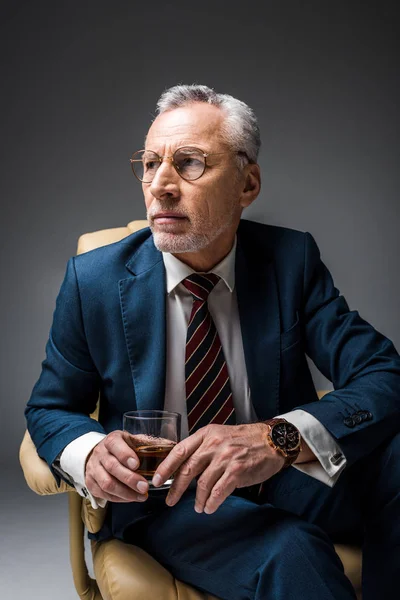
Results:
103 237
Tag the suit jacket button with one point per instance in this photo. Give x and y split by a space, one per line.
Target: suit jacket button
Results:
358 418
368 415
349 422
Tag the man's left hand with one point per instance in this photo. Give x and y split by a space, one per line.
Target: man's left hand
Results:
225 457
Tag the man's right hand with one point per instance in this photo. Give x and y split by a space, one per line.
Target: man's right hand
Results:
110 471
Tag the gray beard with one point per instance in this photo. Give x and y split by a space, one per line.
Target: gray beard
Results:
178 244
189 242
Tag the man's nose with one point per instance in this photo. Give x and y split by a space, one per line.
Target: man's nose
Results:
166 181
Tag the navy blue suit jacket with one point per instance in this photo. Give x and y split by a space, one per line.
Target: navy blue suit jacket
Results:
108 337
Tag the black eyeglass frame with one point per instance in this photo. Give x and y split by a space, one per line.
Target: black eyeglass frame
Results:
171 157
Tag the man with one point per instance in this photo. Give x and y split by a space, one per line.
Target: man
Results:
256 299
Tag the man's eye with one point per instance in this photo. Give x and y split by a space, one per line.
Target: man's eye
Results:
189 161
150 164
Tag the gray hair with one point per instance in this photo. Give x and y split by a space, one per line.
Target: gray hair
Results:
240 129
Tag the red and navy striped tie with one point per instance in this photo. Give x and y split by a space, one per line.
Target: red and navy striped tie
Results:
208 391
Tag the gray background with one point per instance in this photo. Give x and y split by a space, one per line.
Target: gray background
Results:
79 85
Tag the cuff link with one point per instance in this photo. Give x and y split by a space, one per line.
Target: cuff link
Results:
336 458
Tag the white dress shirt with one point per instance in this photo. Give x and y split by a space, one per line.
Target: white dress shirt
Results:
223 307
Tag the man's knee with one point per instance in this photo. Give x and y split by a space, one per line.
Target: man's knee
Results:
290 536
305 551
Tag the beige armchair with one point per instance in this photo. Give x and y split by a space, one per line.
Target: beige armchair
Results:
123 571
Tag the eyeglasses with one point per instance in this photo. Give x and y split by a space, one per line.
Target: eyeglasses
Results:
190 163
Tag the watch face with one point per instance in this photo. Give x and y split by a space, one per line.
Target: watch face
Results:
285 436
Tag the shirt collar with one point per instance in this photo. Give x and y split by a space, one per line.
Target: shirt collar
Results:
176 270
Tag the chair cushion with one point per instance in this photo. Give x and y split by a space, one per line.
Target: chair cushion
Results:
126 572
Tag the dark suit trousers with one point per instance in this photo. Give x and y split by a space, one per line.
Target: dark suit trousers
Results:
281 547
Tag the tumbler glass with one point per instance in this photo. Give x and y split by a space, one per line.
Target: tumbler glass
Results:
152 435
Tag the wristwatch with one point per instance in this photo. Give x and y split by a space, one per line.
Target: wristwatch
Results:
285 438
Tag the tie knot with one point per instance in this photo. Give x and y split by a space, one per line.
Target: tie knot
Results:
200 286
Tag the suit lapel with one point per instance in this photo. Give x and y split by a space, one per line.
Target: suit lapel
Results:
142 298
257 295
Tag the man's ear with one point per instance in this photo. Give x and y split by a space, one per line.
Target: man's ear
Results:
252 185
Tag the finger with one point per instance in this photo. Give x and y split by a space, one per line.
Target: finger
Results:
94 489
205 485
110 485
221 490
194 465
178 455
100 495
117 443
131 479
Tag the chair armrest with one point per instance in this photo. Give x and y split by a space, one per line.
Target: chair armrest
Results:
36 472
93 518
86 587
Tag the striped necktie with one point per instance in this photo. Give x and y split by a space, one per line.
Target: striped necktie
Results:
208 391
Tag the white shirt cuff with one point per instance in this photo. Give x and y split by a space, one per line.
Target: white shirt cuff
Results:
73 461
331 460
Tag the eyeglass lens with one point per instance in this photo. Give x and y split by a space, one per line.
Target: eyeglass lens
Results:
189 162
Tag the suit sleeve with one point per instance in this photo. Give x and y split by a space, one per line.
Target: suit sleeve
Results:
68 387
363 365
